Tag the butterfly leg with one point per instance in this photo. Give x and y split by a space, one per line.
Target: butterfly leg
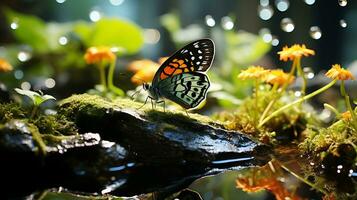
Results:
146 100
163 102
187 113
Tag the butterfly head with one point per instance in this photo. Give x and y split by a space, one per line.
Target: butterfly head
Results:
146 86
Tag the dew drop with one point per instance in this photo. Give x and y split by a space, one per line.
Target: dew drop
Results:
14 24
282 5
342 2
287 25
315 32
95 15
63 40
24 56
275 41
298 94
25 85
19 74
309 2
227 23
50 83
264 2
309 73
151 36
343 23
116 2
265 12
60 1
210 21
266 35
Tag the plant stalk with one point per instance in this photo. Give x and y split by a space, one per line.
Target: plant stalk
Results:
304 98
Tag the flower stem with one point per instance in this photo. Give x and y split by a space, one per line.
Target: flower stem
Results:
256 92
111 85
302 74
304 98
102 75
291 73
348 103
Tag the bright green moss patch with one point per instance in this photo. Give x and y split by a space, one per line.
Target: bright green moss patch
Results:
286 126
97 106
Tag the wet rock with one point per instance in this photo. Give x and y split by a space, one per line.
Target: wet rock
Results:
156 137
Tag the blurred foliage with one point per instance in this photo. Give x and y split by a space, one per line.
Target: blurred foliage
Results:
234 51
47 56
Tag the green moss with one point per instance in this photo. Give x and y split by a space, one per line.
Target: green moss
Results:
97 106
287 125
10 111
321 141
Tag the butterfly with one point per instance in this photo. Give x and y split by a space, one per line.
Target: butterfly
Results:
181 78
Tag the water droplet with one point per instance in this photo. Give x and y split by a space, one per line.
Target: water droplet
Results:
342 2
312 164
264 2
287 25
275 41
116 2
343 23
25 85
315 32
18 74
298 94
266 35
339 166
309 2
23 56
62 40
151 36
282 5
95 15
60 1
14 24
265 12
50 83
227 23
210 21
338 171
309 73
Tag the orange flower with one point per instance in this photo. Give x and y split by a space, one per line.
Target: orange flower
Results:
295 51
336 72
279 77
253 72
346 116
264 178
96 55
144 70
5 66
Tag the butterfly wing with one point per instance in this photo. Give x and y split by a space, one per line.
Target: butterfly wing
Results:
187 89
194 57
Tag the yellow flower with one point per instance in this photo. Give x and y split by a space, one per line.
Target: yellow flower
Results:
295 51
336 72
96 55
278 77
144 70
5 66
346 116
253 72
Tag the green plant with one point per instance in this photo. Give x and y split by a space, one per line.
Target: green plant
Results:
37 99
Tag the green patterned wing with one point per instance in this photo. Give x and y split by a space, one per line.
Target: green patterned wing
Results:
187 89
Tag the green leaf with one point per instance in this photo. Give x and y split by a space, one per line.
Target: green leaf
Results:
36 98
355 101
31 30
111 32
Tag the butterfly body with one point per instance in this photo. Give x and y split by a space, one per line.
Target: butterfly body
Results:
181 78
